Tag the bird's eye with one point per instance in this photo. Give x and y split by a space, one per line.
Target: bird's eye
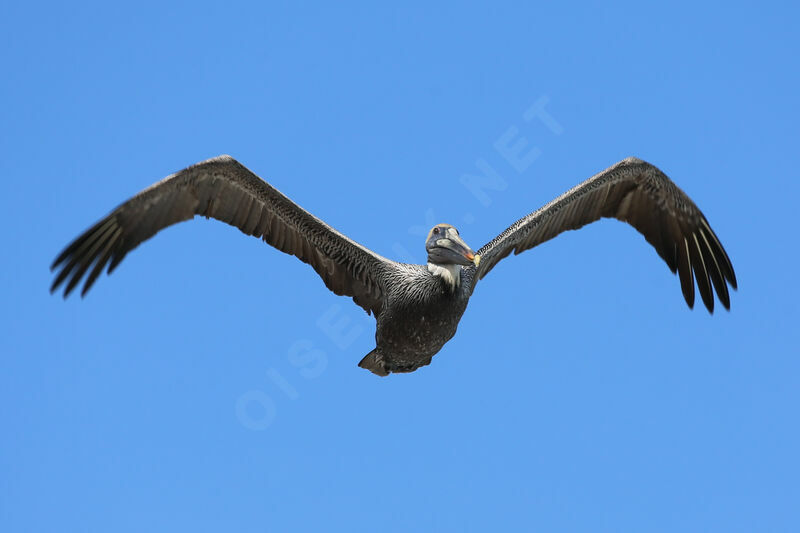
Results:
436 230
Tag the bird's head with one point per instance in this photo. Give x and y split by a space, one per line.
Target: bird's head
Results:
445 247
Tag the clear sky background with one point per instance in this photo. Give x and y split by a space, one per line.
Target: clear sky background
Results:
580 394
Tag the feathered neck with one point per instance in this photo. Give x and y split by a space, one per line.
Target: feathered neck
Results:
451 274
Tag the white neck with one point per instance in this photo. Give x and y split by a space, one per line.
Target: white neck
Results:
451 274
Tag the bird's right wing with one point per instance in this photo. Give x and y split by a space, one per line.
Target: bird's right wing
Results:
224 189
638 193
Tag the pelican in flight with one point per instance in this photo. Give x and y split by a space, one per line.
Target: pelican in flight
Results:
417 307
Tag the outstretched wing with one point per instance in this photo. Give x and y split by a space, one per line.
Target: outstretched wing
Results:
638 193
224 189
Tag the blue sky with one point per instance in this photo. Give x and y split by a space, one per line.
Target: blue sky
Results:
580 393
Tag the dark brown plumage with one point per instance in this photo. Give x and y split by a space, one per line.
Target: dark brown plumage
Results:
417 307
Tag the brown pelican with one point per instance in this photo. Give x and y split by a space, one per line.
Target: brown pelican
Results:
417 307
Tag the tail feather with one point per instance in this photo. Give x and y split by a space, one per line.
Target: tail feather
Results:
373 362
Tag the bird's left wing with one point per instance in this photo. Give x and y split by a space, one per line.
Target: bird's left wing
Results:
224 189
638 193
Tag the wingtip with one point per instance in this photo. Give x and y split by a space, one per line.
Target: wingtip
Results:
58 260
55 285
85 289
68 291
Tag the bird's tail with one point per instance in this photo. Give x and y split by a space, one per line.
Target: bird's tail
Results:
373 362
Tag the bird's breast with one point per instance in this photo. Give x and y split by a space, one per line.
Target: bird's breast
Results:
420 325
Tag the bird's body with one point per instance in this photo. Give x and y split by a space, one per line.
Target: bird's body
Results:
421 314
417 307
